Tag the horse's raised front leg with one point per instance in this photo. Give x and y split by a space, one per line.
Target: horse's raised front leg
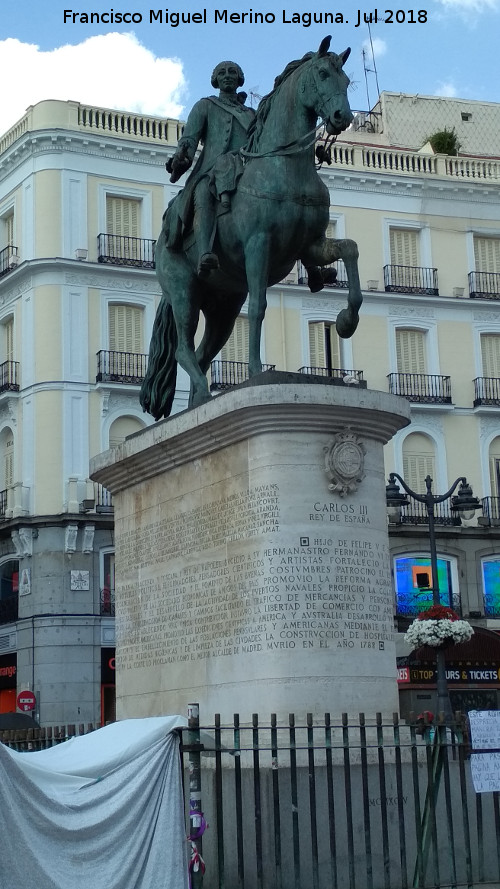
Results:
328 250
256 265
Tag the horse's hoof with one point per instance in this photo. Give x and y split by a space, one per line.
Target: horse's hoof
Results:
346 323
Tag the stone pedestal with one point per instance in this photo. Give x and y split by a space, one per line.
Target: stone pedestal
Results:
252 559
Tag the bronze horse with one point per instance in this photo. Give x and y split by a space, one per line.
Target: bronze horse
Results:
279 213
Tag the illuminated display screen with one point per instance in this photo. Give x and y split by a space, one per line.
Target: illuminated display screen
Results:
413 581
491 585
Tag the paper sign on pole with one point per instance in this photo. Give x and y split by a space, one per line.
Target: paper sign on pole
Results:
485 735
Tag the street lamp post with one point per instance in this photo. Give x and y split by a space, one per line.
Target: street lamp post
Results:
466 504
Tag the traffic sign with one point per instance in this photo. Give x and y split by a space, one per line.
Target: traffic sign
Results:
26 701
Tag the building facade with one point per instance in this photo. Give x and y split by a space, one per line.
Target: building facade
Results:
82 193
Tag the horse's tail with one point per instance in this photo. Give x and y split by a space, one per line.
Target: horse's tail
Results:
158 388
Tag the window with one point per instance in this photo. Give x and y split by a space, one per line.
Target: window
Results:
410 351
418 460
324 348
403 244
494 461
108 583
121 428
491 586
125 328
8 340
236 348
487 254
490 354
413 582
7 465
123 216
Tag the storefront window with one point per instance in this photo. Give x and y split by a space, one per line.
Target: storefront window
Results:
491 587
413 582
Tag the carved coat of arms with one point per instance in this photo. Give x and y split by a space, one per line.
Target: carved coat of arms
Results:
344 462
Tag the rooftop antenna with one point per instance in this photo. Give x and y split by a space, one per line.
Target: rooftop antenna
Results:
374 70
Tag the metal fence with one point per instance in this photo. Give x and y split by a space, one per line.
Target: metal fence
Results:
330 804
365 805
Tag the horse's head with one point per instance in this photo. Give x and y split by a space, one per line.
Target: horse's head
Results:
325 90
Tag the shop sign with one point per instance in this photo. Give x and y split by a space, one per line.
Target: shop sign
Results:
403 674
484 675
8 670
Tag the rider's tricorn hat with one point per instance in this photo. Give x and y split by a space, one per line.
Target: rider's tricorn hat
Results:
215 73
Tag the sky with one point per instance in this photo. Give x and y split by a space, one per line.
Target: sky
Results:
438 47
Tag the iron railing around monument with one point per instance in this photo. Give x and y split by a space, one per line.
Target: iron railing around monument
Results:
330 803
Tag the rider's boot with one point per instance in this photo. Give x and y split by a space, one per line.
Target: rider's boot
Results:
203 225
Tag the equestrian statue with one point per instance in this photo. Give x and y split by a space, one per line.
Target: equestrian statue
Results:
252 205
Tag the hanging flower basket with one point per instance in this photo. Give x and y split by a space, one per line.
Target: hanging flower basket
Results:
438 627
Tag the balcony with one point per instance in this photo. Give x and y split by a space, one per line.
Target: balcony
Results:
340 277
9 259
3 505
339 375
122 250
225 374
486 391
121 367
484 285
421 388
491 511
410 279
9 376
107 603
9 609
416 514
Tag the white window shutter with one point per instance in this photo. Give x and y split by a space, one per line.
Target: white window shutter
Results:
415 469
404 247
490 354
237 346
123 216
487 254
125 328
410 351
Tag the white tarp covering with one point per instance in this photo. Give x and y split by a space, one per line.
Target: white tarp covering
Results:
101 811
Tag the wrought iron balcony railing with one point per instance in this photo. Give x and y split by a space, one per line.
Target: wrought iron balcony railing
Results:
416 514
122 250
9 259
486 391
347 377
107 602
121 367
225 374
338 267
3 504
410 279
484 285
491 511
421 388
9 376
9 609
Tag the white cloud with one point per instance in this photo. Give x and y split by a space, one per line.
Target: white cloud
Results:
109 70
446 88
379 47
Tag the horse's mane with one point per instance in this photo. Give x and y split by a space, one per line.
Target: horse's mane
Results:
266 103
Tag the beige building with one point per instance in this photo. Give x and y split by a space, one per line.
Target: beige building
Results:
82 192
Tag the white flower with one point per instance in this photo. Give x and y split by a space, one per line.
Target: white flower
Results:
435 632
